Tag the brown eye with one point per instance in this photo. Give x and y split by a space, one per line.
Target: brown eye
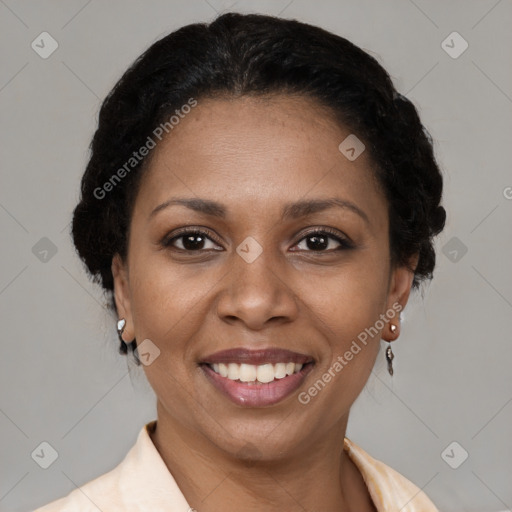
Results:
323 240
191 240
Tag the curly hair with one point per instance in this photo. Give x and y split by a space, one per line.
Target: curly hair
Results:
237 55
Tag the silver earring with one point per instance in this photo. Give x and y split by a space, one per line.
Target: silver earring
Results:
389 359
124 345
120 328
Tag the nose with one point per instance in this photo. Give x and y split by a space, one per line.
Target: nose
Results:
257 293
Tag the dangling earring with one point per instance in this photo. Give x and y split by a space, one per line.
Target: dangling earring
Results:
389 359
389 353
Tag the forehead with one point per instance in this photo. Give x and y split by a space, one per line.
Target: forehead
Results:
257 151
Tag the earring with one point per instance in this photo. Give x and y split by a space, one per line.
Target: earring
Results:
389 359
120 328
389 353
125 345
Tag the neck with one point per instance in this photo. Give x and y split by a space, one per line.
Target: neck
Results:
319 476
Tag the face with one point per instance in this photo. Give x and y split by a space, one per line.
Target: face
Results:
270 267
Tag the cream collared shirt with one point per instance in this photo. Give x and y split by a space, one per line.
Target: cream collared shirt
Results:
141 482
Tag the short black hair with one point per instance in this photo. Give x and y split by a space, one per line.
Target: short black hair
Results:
256 55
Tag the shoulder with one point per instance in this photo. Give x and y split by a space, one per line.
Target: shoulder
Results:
111 490
102 493
141 481
388 488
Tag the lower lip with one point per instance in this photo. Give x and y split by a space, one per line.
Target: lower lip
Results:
257 395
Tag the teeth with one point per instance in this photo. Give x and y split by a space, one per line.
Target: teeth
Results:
247 373
280 370
265 373
223 369
233 371
262 374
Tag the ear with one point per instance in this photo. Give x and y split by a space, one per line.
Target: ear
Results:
122 296
400 284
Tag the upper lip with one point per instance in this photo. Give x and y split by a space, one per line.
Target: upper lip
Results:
257 357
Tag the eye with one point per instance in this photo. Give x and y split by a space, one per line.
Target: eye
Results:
191 240
196 240
321 239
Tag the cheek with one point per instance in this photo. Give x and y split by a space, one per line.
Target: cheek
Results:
349 298
170 304
346 307
162 296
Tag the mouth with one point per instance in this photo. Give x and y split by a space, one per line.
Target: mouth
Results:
257 378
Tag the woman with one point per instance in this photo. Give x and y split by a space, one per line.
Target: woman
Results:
258 205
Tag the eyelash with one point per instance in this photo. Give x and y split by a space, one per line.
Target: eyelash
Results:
344 243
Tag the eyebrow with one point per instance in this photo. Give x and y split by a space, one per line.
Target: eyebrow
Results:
290 211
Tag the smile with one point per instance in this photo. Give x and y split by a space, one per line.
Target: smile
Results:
257 378
261 374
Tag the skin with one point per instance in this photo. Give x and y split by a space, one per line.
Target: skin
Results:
254 156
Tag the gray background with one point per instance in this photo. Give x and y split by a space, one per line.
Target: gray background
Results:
61 378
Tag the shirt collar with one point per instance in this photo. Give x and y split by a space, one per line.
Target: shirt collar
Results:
145 481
